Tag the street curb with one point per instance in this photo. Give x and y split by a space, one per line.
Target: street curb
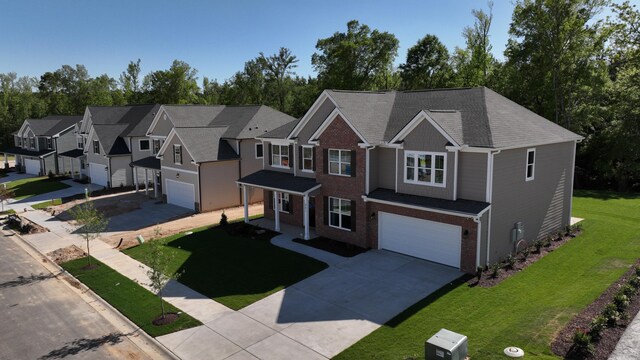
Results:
86 290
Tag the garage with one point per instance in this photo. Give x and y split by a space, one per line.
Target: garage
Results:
32 166
98 174
429 240
181 194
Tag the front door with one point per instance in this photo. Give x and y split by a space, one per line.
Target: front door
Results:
312 212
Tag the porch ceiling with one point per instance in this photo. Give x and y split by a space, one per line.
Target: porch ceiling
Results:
279 181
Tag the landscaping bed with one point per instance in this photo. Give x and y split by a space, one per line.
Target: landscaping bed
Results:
23 225
333 246
66 254
605 342
132 300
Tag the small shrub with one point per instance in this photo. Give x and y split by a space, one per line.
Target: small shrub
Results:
538 244
51 175
597 326
611 313
547 241
559 236
567 230
223 219
510 261
627 290
582 346
495 270
621 301
525 253
638 270
576 228
635 281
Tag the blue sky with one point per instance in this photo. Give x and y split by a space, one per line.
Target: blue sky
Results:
214 37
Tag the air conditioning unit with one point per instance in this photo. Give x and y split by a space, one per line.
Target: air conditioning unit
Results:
446 345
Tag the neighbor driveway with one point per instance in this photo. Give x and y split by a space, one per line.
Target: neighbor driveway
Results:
320 316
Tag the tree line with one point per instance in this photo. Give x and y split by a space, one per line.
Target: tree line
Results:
563 60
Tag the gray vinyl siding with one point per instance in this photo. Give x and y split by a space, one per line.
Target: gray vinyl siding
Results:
472 176
373 169
219 188
315 121
267 152
121 174
163 126
66 141
542 204
95 158
136 153
426 138
386 174
484 232
249 164
186 158
49 164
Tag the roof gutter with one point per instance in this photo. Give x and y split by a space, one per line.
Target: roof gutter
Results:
424 208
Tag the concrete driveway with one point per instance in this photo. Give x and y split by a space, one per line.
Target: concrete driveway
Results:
320 316
151 212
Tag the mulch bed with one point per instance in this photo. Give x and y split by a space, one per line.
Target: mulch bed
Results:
487 280
336 247
65 254
15 221
167 319
610 336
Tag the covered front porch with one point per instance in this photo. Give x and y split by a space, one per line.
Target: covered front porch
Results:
282 186
148 165
72 162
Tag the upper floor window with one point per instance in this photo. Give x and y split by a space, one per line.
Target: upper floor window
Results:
32 142
157 144
177 154
144 145
531 163
280 155
340 162
259 151
25 142
19 141
49 143
425 168
307 158
80 143
96 147
340 213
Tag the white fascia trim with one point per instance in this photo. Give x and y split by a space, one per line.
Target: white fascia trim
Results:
22 128
455 176
280 142
89 142
304 193
179 170
422 115
391 146
490 161
325 124
164 146
312 110
573 173
155 120
56 135
86 118
422 208
466 148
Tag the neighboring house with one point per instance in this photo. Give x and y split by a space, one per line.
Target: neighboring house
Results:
203 150
114 137
455 176
39 142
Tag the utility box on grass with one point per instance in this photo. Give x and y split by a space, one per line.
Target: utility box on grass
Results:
446 345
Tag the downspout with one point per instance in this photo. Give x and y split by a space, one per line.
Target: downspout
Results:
476 219
396 170
199 188
368 169
490 160
240 192
455 176
57 159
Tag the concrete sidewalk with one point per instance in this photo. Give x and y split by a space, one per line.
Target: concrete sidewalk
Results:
628 347
73 189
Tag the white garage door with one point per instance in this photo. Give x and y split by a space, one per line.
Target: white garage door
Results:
32 166
98 174
424 239
181 194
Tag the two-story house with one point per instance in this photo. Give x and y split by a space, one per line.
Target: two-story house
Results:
114 137
454 176
38 143
202 150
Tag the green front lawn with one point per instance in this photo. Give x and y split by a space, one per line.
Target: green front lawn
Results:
7 212
24 188
132 300
233 270
530 307
45 204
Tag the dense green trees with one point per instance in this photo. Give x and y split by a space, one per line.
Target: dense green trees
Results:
563 60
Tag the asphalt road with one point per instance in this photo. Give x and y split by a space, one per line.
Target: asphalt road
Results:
42 318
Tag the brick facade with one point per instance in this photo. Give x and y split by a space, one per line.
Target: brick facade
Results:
293 218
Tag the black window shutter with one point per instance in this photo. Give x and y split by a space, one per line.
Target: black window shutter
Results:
270 195
353 163
313 157
326 210
269 146
300 159
291 157
325 154
353 215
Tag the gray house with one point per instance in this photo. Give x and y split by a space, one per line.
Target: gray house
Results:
455 176
203 150
114 137
39 142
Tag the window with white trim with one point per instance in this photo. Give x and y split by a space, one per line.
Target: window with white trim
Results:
96 147
425 168
531 164
284 205
340 213
144 144
49 143
307 158
25 143
177 154
259 151
340 162
80 144
32 142
280 155
19 141
157 144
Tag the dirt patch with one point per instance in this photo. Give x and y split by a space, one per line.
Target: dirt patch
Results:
610 336
166 319
336 247
109 205
23 225
66 254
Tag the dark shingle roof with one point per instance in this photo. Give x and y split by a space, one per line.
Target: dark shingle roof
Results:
112 123
472 116
204 144
279 180
460 206
280 132
53 124
20 151
75 153
150 162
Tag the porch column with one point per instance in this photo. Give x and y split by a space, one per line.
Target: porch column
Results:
146 182
245 202
305 207
155 184
6 161
73 172
135 178
276 210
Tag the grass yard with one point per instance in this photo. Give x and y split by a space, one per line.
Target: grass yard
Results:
25 188
132 300
7 212
46 204
233 270
528 308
